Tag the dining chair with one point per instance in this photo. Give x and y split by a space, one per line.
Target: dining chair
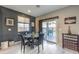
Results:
23 43
40 41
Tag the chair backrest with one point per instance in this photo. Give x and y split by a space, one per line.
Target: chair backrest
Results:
22 39
41 37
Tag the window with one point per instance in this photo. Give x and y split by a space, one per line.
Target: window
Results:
23 24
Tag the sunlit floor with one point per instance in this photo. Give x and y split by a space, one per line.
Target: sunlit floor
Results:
49 48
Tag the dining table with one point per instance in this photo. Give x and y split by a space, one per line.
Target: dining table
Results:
33 38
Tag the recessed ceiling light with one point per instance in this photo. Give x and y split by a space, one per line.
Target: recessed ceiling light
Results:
29 11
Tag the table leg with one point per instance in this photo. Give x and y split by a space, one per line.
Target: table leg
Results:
21 46
42 46
38 48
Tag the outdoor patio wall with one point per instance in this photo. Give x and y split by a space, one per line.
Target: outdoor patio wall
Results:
61 27
4 33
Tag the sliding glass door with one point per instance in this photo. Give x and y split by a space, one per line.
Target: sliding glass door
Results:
49 30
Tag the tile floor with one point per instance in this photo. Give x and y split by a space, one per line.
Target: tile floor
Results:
49 48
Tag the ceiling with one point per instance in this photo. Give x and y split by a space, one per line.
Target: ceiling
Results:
35 11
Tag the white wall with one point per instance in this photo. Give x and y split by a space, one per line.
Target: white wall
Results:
63 28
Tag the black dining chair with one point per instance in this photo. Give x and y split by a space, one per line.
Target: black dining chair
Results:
23 43
40 41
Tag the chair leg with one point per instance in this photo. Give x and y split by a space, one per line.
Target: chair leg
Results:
8 44
24 49
38 49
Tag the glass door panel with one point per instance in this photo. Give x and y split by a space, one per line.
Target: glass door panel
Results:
49 30
44 29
